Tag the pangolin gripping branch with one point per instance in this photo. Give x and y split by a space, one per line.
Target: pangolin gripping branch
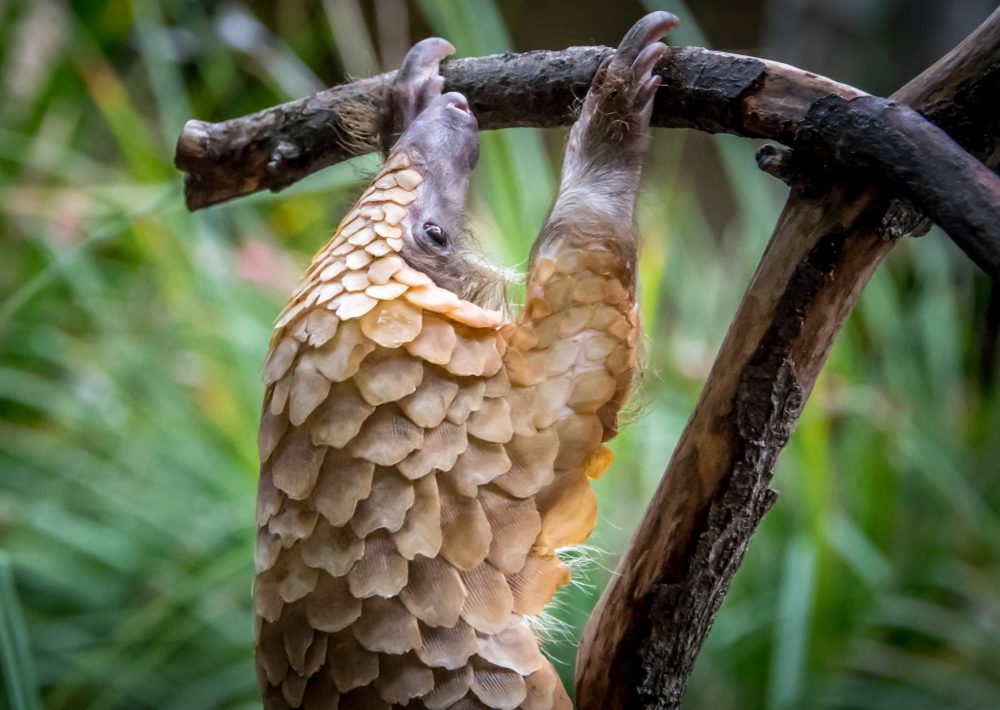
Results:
424 457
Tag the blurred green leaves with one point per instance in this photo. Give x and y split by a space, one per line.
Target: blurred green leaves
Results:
131 335
17 667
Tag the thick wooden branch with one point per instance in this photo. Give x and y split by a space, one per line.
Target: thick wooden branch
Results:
640 644
273 148
713 91
920 162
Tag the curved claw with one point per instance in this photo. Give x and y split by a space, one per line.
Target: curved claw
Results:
646 91
422 61
648 58
643 33
417 82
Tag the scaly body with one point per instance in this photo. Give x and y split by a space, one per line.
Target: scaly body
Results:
422 458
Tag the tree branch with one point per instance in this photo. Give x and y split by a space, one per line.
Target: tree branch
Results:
919 160
273 148
642 639
712 91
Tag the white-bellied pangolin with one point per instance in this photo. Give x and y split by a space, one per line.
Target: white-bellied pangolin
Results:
424 457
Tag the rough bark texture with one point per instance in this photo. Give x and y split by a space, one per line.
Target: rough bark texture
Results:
642 640
835 127
706 90
918 159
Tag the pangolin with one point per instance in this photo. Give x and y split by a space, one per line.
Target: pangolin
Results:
423 455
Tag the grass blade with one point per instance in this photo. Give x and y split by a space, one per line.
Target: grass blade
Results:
16 661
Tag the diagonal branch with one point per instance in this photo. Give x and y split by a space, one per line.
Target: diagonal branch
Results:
642 639
919 160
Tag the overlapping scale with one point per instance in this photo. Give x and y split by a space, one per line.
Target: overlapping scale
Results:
544 691
569 511
387 437
468 399
514 523
349 663
435 343
488 602
421 531
428 404
296 464
531 468
480 463
536 583
447 647
280 359
266 550
491 422
298 637
340 358
386 626
295 521
381 571
434 593
387 377
442 446
449 687
402 677
309 389
338 420
465 530
332 607
514 648
385 507
392 323
272 428
343 482
498 687
334 550
287 580
293 689
272 658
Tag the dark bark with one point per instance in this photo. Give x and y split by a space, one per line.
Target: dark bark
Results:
642 640
919 160
836 126
276 147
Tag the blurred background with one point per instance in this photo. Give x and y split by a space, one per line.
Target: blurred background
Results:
132 332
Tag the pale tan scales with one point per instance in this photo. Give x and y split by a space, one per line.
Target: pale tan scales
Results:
422 461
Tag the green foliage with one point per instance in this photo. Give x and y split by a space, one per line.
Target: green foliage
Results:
16 664
131 334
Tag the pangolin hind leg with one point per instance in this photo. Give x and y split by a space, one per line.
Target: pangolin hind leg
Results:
572 357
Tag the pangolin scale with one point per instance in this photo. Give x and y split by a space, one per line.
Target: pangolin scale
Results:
423 457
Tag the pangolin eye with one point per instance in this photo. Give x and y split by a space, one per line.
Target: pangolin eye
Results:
435 234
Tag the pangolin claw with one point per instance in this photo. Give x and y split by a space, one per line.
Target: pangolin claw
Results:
417 82
643 33
422 61
630 67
